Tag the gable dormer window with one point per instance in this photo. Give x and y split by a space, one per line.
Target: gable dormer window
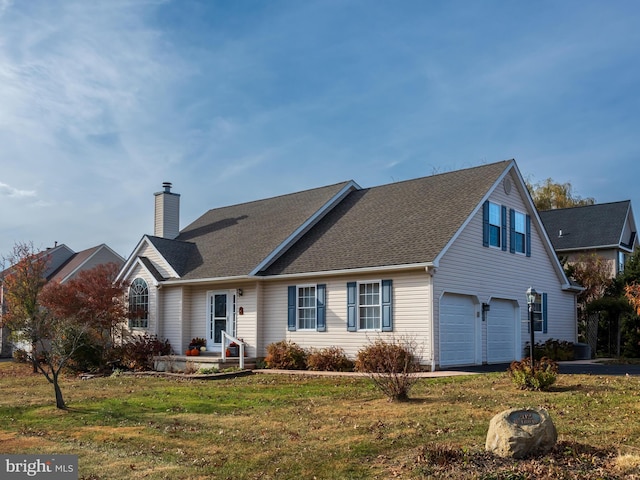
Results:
138 304
494 219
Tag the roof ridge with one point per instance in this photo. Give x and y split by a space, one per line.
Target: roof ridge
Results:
586 206
450 172
258 200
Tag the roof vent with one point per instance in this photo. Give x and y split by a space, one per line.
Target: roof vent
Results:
560 234
167 187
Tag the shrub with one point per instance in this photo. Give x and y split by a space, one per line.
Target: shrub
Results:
20 356
137 353
329 359
539 376
558 350
286 355
391 366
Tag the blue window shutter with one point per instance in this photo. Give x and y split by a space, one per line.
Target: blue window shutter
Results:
291 320
544 313
512 230
504 229
528 240
351 307
387 306
485 224
321 320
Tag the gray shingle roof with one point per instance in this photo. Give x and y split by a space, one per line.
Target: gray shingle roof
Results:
234 240
397 224
586 227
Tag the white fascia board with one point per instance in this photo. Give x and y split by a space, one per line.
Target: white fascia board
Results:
126 268
199 281
137 262
302 229
329 273
352 271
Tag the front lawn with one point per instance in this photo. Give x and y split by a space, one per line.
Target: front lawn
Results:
279 426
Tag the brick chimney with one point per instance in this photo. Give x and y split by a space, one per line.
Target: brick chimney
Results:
167 213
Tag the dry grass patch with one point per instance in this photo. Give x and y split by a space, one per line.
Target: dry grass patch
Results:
269 426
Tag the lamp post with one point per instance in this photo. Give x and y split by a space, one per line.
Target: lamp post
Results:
531 300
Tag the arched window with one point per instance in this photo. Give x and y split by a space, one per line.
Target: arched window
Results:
139 304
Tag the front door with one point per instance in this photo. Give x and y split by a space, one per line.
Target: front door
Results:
220 317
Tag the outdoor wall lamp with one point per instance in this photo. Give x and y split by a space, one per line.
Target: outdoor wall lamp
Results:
531 300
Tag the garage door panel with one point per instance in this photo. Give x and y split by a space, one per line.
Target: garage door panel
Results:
457 330
501 332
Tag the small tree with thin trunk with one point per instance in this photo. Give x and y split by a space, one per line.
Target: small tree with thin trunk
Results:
53 337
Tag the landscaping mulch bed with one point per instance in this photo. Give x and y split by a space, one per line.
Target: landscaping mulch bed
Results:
568 460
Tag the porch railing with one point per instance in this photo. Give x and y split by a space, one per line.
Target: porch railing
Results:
226 340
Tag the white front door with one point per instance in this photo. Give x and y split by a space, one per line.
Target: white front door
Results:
220 317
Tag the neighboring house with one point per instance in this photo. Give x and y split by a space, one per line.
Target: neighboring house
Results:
63 264
606 229
445 260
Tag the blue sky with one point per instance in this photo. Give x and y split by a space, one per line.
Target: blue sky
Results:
232 101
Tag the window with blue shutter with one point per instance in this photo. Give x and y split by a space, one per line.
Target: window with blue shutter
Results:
540 323
528 240
321 324
387 306
544 313
504 229
307 308
370 306
291 308
351 307
485 224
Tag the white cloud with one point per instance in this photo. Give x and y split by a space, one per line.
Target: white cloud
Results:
9 191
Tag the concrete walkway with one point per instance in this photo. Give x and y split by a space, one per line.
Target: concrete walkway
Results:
577 367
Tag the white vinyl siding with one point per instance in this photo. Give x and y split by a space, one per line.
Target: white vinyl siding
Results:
411 310
468 268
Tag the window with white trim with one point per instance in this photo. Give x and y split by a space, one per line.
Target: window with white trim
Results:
369 306
139 304
307 307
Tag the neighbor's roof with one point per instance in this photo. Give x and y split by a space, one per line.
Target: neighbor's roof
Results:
587 227
401 223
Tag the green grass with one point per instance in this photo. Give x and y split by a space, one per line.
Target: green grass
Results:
270 426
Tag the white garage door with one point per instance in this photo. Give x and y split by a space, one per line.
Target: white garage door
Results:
501 332
457 330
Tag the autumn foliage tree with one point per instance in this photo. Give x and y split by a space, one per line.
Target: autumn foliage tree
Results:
58 320
22 283
549 195
93 303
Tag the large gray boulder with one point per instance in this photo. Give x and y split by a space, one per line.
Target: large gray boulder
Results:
518 433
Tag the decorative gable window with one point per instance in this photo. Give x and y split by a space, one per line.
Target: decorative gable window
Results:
139 304
306 308
494 219
369 306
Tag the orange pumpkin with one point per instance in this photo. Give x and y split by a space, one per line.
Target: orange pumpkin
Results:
195 352
188 353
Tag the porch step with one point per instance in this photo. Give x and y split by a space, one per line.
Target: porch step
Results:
183 363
